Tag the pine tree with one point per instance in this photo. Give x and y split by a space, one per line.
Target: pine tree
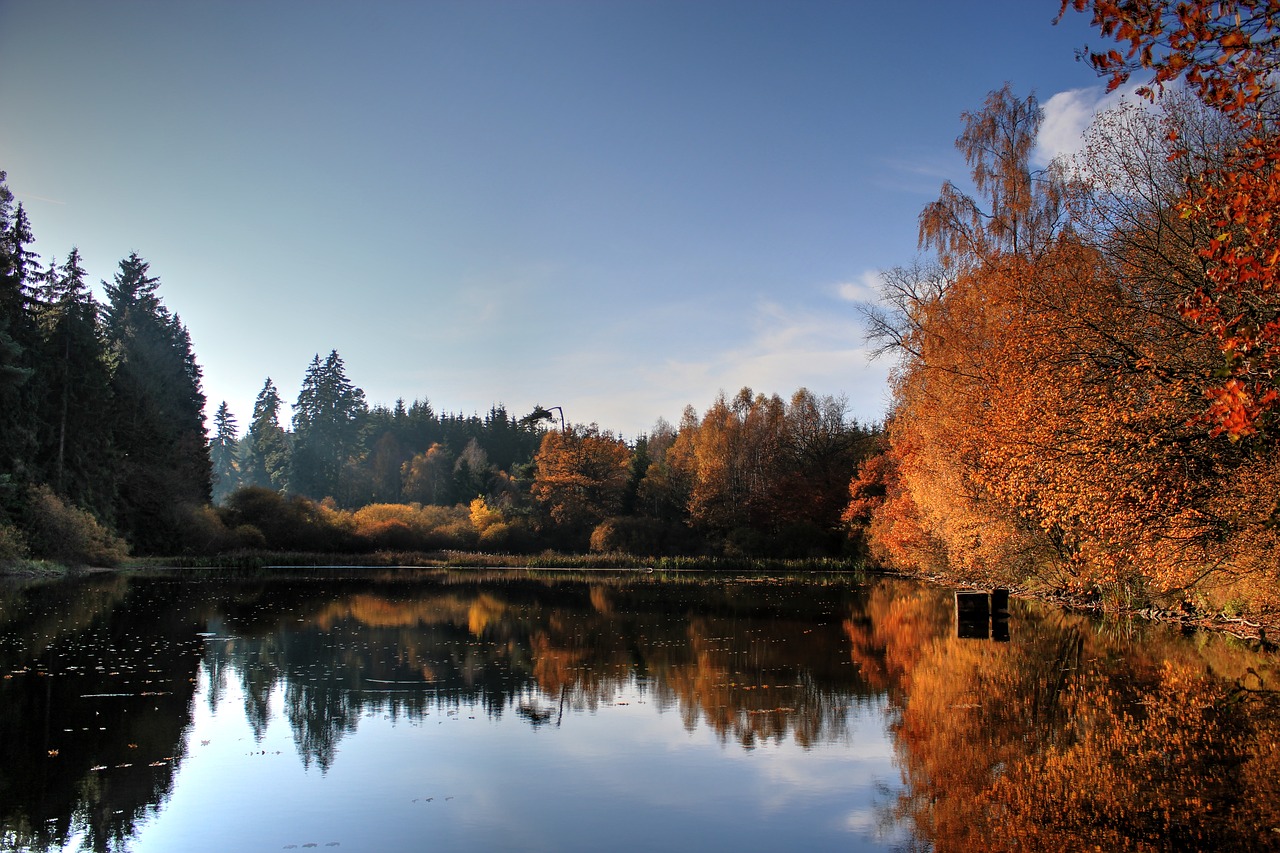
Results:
265 448
158 413
326 425
74 453
18 265
222 453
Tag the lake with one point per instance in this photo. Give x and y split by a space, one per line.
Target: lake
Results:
482 710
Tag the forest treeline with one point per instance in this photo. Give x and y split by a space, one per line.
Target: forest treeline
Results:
1087 393
104 452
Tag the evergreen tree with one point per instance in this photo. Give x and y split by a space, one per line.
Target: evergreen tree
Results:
265 448
74 452
158 413
471 473
222 453
18 266
327 422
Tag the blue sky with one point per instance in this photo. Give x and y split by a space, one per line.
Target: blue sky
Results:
616 207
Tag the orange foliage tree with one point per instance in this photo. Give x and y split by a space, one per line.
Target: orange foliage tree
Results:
1049 389
760 471
582 478
1228 52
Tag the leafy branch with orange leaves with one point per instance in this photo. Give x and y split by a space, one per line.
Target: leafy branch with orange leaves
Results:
1228 54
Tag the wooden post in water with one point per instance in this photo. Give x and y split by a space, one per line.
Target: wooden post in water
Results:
999 602
973 615
983 615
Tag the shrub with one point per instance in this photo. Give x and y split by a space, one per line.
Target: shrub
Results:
641 537
206 533
509 537
13 545
289 523
68 534
391 534
249 537
484 516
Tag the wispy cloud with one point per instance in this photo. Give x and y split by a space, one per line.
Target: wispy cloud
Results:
30 197
787 349
920 175
864 288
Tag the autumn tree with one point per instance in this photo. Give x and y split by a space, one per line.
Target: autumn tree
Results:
428 476
1023 209
581 479
1048 393
1228 54
663 493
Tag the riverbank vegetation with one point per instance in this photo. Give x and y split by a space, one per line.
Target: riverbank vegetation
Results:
1087 397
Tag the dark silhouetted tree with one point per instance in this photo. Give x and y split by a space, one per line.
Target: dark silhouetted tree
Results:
158 413
74 454
327 422
222 453
18 389
265 448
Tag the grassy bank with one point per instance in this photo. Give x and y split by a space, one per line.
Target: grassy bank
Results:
470 559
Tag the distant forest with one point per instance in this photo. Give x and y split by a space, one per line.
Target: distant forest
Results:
105 452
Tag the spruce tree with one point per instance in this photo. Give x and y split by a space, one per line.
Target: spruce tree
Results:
74 453
265 449
158 413
327 422
18 388
222 453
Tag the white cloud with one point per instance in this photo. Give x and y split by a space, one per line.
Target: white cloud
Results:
864 288
1067 115
787 349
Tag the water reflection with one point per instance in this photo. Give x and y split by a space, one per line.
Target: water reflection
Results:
756 662
525 698
1075 735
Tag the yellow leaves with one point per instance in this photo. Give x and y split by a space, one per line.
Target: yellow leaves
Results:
484 516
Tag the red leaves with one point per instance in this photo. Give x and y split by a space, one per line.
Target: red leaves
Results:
1240 307
1235 407
1223 48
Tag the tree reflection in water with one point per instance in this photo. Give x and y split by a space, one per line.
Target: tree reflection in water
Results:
743 659
1072 735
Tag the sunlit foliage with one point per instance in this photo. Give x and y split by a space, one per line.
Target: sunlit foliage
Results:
1050 419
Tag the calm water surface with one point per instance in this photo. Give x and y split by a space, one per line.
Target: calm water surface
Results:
514 711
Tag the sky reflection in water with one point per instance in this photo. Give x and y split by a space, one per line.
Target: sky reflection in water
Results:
625 776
